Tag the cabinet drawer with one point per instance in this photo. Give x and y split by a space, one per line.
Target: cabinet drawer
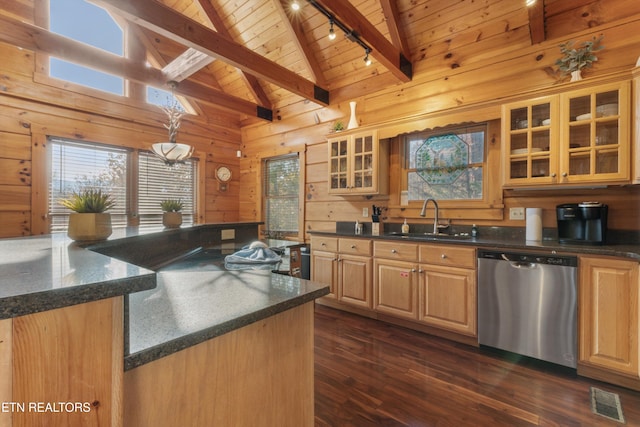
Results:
354 246
454 256
395 250
319 243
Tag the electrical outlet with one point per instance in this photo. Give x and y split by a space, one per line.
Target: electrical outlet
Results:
516 213
365 212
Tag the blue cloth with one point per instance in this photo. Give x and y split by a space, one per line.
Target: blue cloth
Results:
256 255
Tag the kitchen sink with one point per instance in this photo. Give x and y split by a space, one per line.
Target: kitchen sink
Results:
431 236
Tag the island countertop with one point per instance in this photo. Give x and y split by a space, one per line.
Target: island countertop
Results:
167 307
41 273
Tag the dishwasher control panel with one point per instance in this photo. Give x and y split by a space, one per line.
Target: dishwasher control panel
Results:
561 260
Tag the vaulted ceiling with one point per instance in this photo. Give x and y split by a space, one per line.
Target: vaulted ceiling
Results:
254 57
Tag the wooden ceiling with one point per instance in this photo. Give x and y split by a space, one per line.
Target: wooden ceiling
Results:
255 57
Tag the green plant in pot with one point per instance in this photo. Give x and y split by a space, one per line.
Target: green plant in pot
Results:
90 221
576 58
172 212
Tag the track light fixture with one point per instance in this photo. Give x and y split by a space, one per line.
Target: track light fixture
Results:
367 60
351 35
332 34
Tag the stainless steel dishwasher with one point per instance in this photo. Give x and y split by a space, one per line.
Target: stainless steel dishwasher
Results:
527 304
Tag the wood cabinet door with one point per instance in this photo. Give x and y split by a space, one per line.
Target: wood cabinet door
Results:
448 298
609 314
395 288
323 270
355 285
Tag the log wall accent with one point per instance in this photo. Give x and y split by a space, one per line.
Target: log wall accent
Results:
438 92
33 108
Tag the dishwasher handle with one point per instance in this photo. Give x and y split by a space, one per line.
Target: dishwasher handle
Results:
529 260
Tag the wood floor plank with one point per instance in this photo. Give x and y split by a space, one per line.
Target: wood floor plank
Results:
370 373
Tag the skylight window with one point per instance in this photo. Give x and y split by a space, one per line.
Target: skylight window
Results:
96 28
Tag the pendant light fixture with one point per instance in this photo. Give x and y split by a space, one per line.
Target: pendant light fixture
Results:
172 152
367 60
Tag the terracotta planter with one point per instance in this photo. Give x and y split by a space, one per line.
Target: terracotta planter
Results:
88 227
172 219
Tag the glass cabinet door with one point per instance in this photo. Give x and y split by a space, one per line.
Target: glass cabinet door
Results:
530 140
596 140
339 163
363 161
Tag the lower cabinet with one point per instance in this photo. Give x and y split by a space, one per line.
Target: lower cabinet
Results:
395 288
447 290
608 320
345 265
432 284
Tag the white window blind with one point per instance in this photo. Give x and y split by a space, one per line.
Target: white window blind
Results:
78 165
281 189
157 182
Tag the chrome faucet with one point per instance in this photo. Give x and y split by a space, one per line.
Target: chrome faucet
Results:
435 215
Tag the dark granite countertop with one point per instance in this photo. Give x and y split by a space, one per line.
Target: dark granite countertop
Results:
41 273
500 238
178 292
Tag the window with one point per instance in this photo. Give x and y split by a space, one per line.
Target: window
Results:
281 192
76 165
96 28
157 182
446 165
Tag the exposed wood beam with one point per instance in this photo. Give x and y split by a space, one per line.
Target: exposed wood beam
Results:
396 31
536 22
299 38
382 50
177 27
190 62
250 80
38 39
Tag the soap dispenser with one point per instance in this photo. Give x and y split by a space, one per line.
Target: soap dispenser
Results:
405 227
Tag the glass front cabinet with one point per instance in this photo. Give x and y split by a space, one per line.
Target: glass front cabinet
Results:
358 164
575 137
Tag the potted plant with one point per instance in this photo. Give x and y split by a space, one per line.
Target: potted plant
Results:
338 126
574 59
89 222
172 212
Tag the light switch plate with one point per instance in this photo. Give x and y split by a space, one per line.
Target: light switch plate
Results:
516 213
365 212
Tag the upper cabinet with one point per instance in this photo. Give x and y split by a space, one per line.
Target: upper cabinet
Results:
358 164
576 137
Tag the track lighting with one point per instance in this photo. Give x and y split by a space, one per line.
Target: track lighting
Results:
332 34
350 34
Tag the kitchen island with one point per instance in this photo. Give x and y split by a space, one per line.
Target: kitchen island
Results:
207 347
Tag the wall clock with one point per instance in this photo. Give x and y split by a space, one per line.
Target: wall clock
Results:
223 175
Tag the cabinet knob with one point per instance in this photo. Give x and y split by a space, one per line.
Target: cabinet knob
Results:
393 251
443 256
413 270
323 244
564 174
339 259
421 271
353 246
553 175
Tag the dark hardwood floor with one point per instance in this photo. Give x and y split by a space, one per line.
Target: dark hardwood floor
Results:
370 373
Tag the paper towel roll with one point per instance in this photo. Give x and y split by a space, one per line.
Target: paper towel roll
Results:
534 224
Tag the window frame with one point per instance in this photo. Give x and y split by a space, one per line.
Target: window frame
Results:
490 207
264 183
132 174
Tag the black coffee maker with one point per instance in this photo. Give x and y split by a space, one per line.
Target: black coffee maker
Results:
582 223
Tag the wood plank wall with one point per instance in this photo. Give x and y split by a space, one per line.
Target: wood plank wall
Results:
33 107
456 82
